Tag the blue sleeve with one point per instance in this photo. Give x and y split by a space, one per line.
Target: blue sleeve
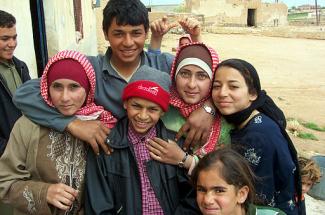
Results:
99 197
29 100
154 51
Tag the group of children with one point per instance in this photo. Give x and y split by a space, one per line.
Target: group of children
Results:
148 171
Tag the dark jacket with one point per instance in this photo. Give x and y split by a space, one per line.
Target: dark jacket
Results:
113 183
8 111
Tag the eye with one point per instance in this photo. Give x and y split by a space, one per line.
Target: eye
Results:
137 33
117 34
233 87
216 86
56 85
74 86
200 189
219 190
184 74
202 76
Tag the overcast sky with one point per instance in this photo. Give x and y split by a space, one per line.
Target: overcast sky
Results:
289 3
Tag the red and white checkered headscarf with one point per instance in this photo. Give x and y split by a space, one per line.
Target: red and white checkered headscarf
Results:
186 109
90 110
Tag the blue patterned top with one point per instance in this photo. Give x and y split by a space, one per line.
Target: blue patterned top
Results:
268 153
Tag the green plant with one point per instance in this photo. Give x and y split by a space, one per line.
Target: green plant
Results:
305 135
313 126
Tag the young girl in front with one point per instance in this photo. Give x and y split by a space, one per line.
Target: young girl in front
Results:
224 184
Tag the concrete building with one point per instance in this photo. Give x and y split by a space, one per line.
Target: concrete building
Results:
239 12
45 27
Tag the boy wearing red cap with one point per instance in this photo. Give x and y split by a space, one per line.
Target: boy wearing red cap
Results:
129 181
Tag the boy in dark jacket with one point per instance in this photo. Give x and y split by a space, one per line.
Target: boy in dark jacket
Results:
128 181
13 73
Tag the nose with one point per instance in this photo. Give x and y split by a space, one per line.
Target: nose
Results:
223 91
128 40
65 95
208 198
143 114
192 82
12 43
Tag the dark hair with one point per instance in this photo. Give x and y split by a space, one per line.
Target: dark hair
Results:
233 168
126 12
244 68
6 20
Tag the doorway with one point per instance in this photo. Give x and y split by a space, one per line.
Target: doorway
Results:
251 15
39 34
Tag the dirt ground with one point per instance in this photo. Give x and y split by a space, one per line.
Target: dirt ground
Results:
292 71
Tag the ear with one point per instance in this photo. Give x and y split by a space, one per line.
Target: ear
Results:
162 113
252 97
125 104
147 34
106 35
242 194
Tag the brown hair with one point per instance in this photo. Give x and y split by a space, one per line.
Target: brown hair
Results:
233 168
309 169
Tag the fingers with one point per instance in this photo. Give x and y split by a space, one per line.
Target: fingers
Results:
156 146
205 136
189 139
61 196
154 156
182 131
93 144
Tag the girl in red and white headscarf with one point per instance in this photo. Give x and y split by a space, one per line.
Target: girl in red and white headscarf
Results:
42 170
192 73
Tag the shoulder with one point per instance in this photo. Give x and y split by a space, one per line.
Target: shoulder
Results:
265 210
260 122
25 123
162 61
20 64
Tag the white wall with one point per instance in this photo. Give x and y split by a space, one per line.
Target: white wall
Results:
25 49
60 27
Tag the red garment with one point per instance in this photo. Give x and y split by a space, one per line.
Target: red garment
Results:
68 69
148 90
186 109
90 110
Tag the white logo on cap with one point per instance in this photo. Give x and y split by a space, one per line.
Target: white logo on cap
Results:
152 90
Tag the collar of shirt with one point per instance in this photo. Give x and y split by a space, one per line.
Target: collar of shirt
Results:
8 64
136 138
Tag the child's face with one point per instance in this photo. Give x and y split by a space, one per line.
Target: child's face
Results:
230 92
143 114
306 184
192 84
216 197
183 41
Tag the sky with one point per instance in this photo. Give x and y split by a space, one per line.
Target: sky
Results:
289 3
